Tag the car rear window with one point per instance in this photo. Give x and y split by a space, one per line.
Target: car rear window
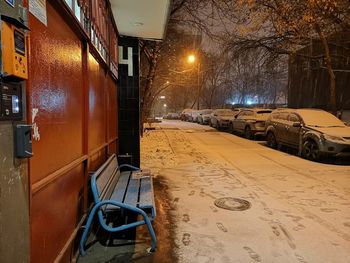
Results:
264 112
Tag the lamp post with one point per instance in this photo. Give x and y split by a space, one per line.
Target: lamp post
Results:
192 59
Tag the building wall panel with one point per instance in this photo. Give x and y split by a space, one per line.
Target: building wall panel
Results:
97 104
54 215
76 101
56 91
112 109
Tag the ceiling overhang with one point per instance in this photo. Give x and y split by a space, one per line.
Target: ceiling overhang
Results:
141 18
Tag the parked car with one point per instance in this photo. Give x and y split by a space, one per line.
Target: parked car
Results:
194 115
313 132
221 118
250 122
204 116
185 114
172 116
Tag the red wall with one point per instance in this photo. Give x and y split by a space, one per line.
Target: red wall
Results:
76 99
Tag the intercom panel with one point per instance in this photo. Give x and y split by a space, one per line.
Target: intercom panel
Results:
14 51
11 108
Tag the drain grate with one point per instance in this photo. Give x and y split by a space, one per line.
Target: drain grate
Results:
233 204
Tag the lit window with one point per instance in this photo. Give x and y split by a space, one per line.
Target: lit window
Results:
77 11
69 3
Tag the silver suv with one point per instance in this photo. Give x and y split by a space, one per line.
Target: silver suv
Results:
250 122
313 132
221 118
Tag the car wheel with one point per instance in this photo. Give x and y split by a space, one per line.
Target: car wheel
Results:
230 128
271 140
311 150
248 133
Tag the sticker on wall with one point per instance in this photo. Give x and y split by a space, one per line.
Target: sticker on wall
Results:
36 133
10 2
38 9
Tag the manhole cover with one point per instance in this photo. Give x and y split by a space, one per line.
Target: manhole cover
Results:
233 204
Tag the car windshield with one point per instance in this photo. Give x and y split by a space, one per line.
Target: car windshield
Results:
320 118
225 112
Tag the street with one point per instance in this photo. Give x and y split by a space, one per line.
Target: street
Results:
292 210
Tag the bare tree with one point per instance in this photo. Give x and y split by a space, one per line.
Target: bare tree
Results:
283 26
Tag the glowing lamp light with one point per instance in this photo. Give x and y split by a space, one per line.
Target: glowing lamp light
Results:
191 59
165 105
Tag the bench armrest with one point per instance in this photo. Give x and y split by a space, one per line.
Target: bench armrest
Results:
134 168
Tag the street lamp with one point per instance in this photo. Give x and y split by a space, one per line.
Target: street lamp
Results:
191 59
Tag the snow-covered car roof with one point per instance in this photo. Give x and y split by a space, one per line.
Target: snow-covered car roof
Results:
316 117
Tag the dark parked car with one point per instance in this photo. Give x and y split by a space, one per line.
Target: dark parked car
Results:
311 131
250 122
221 118
204 116
172 116
194 116
185 114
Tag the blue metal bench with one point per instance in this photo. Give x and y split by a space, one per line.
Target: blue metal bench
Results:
115 190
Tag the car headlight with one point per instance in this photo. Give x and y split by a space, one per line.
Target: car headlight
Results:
332 138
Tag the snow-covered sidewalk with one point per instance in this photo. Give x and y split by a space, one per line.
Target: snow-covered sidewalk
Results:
300 210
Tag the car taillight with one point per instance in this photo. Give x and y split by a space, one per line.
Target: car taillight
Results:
260 124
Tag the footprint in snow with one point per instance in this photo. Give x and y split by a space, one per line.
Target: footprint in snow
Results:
213 209
185 218
253 254
191 193
186 239
221 227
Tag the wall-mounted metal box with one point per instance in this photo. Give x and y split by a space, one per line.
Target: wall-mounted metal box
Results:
23 141
11 105
12 8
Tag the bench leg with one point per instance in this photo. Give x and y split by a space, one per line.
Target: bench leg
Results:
137 210
151 231
86 230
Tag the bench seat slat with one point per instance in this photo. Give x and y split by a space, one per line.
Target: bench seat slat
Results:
146 193
132 193
120 188
104 174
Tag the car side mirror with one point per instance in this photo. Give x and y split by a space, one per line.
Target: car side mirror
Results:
297 124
